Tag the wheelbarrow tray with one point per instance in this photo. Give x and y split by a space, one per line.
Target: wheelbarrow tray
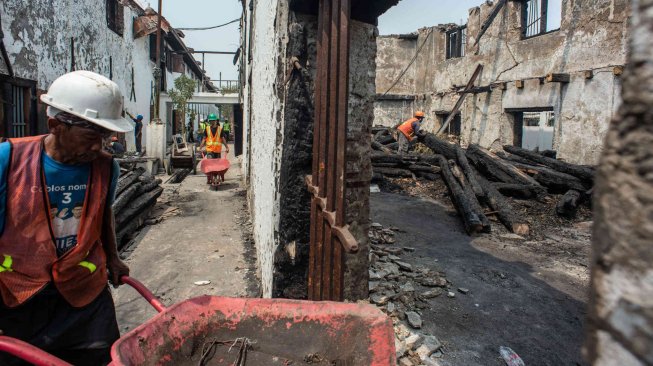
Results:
281 332
214 166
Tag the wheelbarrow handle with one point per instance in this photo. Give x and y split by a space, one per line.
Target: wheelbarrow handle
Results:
145 292
29 353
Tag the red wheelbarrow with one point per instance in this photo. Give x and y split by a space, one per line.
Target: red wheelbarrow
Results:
211 330
215 169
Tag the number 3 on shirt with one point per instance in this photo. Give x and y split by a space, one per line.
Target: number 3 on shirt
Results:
66 198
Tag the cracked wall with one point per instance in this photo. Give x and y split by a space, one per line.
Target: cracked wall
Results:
592 36
38 39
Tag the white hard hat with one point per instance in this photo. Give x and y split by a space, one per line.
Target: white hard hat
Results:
90 96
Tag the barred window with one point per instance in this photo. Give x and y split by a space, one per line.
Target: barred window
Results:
456 42
540 17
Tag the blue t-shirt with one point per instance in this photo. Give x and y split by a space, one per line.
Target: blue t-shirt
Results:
66 185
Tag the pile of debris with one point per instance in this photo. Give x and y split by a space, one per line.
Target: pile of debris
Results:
136 195
476 176
402 291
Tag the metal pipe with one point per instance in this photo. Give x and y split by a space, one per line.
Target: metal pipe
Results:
157 67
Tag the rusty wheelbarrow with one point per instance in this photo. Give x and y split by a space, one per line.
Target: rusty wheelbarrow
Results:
211 330
215 169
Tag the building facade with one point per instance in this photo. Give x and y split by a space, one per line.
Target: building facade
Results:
581 42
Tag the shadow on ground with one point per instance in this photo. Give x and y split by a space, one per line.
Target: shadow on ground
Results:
506 305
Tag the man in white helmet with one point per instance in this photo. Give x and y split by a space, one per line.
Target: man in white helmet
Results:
53 275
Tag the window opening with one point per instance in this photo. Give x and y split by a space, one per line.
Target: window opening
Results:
115 16
456 42
540 17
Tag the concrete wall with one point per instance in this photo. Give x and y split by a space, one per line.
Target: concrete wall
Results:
37 37
592 37
621 311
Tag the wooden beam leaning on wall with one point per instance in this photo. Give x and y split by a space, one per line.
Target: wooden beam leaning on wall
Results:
461 98
486 24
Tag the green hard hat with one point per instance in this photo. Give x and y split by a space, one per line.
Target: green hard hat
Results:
213 117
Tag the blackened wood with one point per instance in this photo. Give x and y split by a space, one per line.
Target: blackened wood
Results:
377 146
568 204
131 226
150 186
467 170
470 219
555 181
379 135
579 171
380 157
558 78
439 146
519 190
125 197
393 172
428 176
384 140
470 195
393 146
515 158
128 179
424 168
138 205
493 166
377 129
503 208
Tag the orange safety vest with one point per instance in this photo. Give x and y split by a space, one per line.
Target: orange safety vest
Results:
213 143
407 128
28 260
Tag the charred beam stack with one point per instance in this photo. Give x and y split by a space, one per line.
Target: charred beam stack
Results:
136 195
477 177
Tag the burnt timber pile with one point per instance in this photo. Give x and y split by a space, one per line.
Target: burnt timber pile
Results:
484 185
136 195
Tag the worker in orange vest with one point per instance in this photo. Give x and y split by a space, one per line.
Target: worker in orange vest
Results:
408 130
214 139
57 234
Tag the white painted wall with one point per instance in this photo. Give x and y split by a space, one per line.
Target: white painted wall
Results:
37 37
264 149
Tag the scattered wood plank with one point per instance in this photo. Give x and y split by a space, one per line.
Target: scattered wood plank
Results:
582 172
377 146
519 190
439 146
137 206
394 172
128 179
384 140
125 197
470 219
558 78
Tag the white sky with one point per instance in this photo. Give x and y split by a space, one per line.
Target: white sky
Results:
406 17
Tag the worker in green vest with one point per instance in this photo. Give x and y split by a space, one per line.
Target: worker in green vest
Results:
201 131
226 128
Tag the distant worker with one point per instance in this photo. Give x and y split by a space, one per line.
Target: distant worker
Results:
214 138
138 130
116 148
408 130
201 131
58 239
226 127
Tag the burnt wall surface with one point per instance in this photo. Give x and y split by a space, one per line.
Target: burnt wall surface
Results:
621 311
292 251
591 38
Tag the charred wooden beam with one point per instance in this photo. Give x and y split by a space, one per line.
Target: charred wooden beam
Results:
582 172
520 190
470 195
555 181
486 24
494 166
558 78
467 169
470 219
568 204
505 211
393 172
439 146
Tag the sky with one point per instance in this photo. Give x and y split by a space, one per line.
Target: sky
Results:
406 17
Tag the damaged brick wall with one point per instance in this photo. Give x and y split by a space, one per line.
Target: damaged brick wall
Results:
591 37
621 310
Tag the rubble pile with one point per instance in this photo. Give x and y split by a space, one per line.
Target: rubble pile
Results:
136 195
402 291
480 182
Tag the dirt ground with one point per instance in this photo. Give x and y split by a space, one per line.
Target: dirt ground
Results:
528 293
204 236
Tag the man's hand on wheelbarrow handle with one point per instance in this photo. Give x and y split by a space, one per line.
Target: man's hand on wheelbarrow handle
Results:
117 268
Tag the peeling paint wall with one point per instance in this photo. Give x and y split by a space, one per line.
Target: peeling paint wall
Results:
263 111
38 39
592 36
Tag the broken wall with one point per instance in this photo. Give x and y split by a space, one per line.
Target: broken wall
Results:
278 155
592 37
38 40
621 307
